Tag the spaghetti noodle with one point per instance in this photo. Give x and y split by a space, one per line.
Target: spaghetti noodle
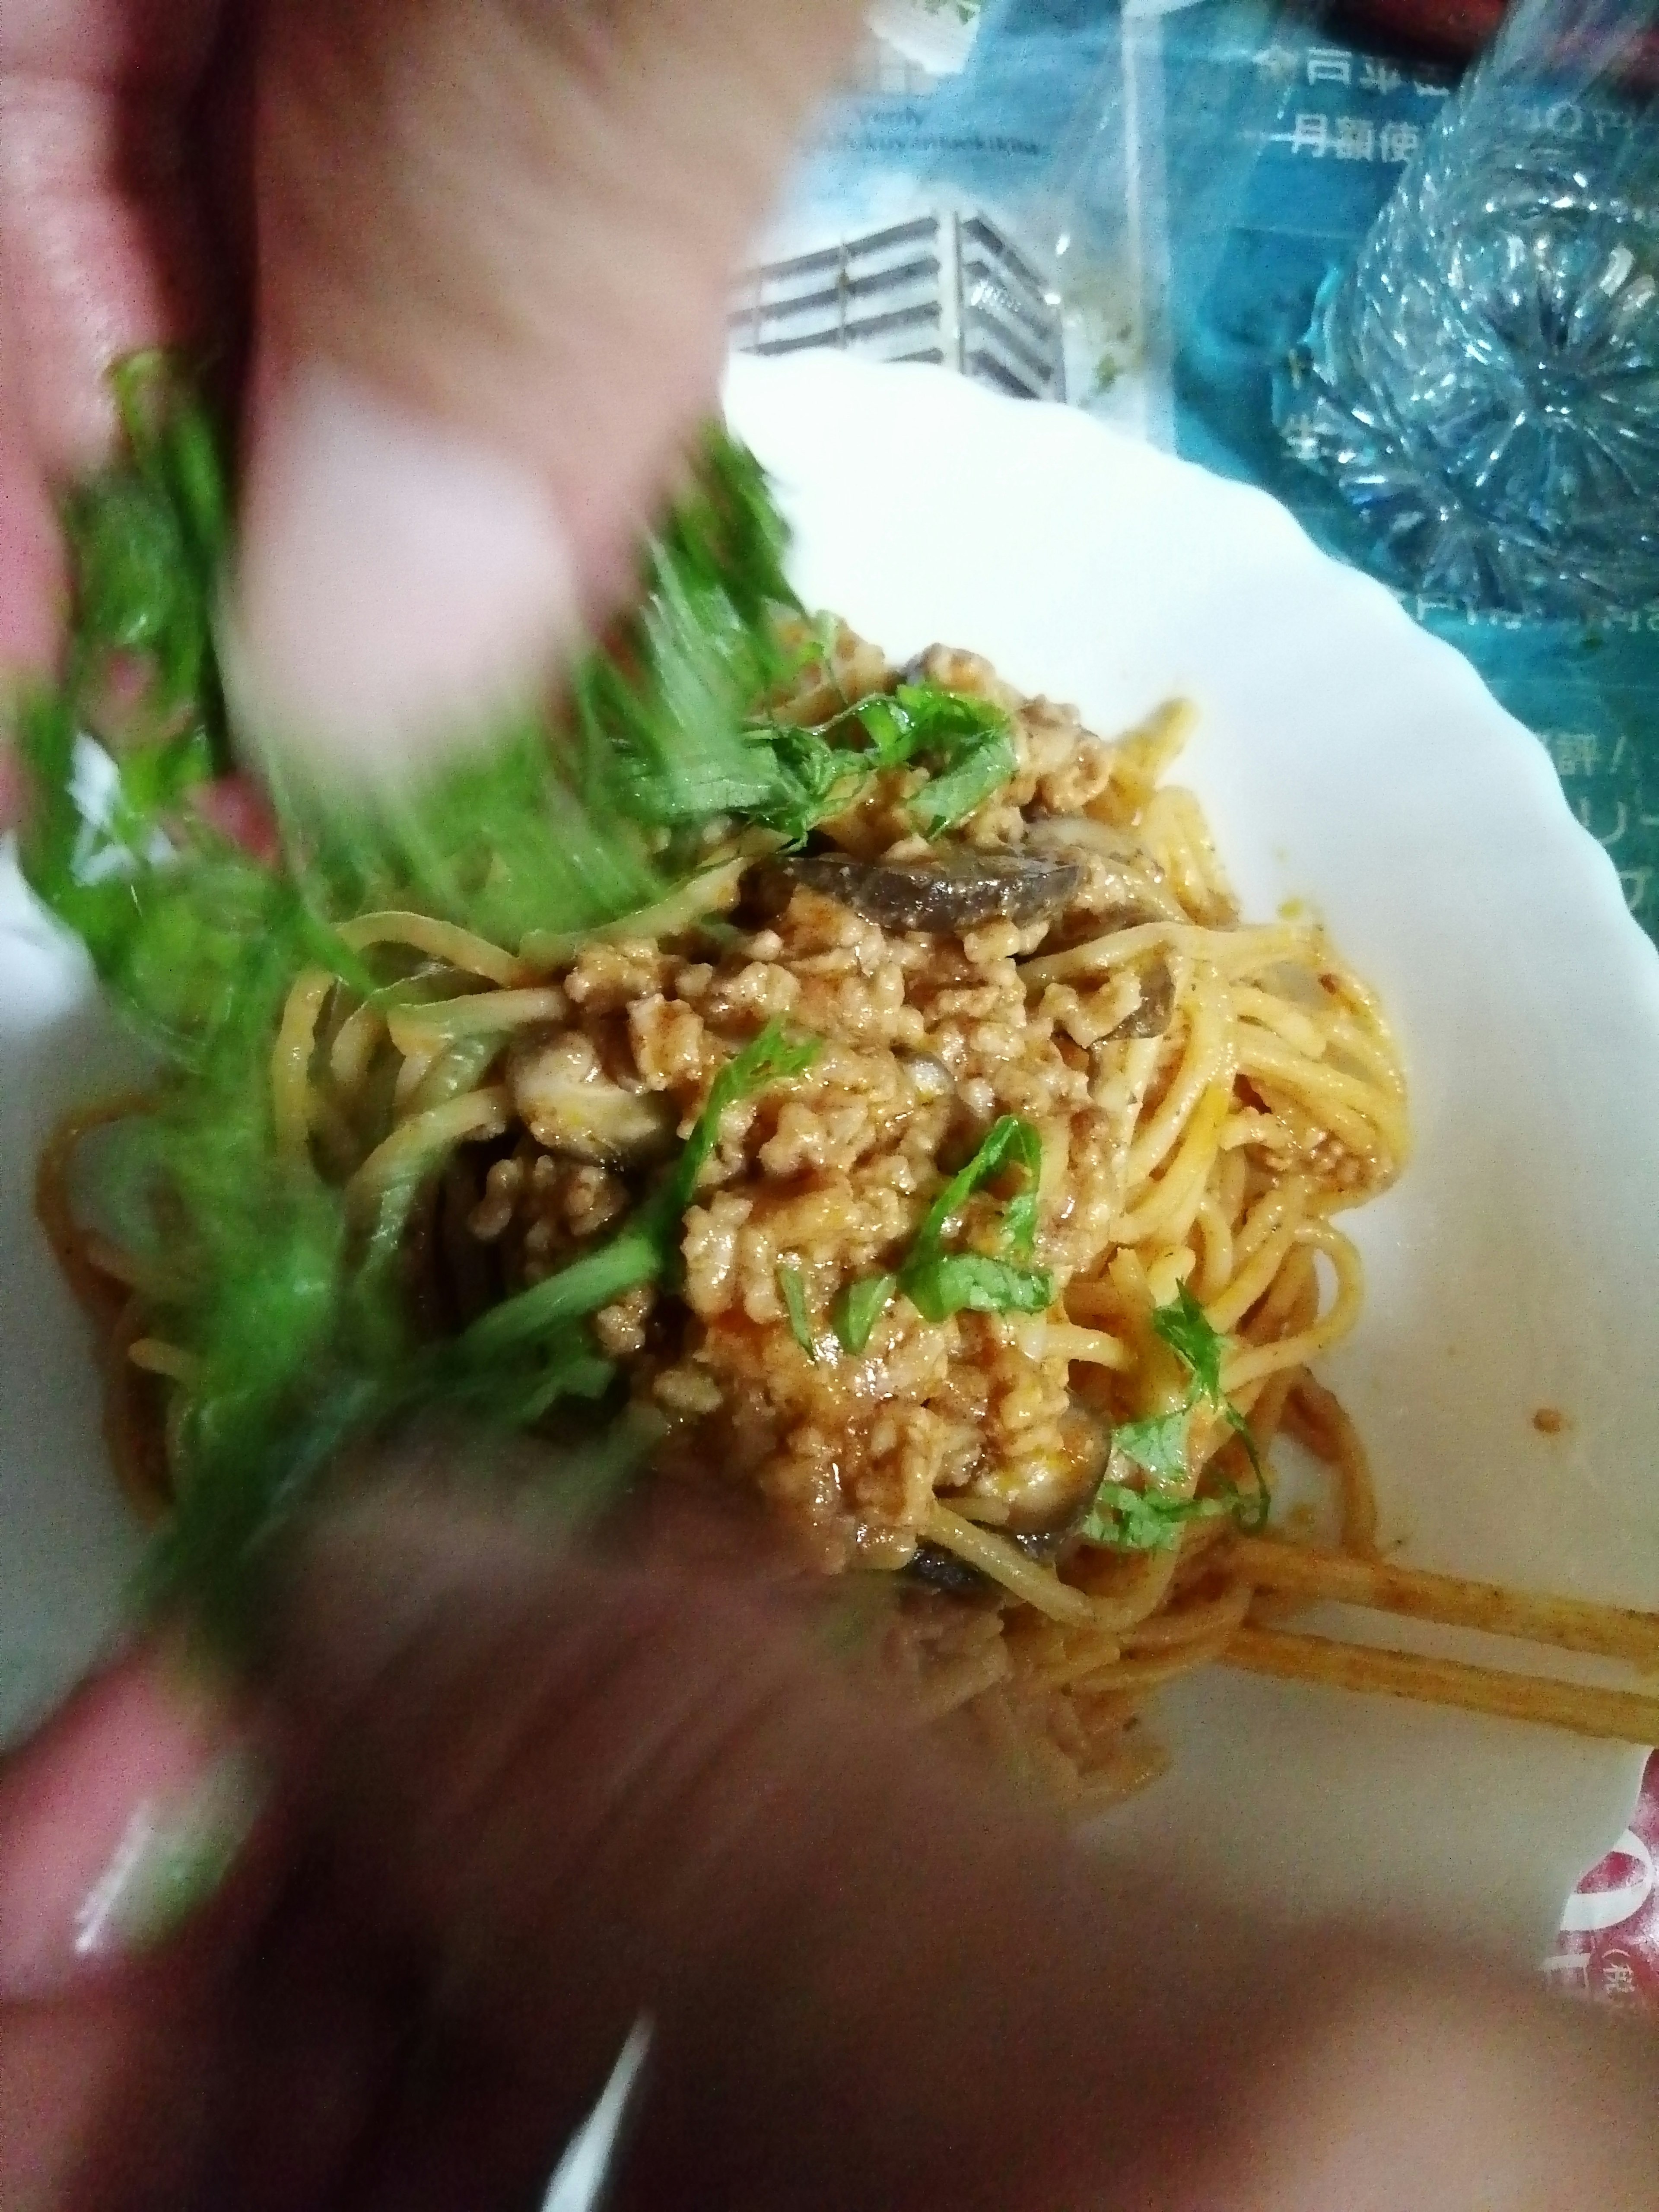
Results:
1202 1102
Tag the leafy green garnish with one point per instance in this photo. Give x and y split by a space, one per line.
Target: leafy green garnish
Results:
860 1307
1184 1327
1152 1519
819 772
634 1255
295 1318
946 1283
793 1291
1145 1520
813 779
772 1057
563 829
660 716
145 543
1009 1142
1020 1220
983 766
295 1315
644 1249
1157 1444
938 1283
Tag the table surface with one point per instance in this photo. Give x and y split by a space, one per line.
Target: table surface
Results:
1202 165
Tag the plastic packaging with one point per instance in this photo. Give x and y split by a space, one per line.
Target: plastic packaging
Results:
1482 383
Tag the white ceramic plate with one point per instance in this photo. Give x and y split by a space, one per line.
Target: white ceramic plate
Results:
1345 759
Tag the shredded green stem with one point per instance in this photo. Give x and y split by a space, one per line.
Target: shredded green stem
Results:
291 1318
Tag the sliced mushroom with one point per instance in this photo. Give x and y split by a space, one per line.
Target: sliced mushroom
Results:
1046 1519
1152 1016
1123 883
571 1107
942 1570
1061 1487
958 890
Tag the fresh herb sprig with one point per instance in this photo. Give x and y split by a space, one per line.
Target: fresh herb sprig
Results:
296 1324
792 1289
1152 1519
646 1248
1130 1520
562 824
965 744
939 1283
260 1429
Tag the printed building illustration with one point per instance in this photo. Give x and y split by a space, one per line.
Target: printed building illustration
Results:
947 286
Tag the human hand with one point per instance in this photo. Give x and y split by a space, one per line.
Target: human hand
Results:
518 1802
495 245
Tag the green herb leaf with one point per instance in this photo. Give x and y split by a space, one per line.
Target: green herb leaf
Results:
772 1057
1252 1511
966 742
634 1255
950 798
820 772
145 539
1129 1520
793 1289
813 779
1184 1328
516 1392
1019 1222
954 1282
860 1307
939 1284
644 1249
298 1324
1009 1142
925 718
1159 1444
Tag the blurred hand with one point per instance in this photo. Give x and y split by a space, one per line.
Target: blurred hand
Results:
518 1802
494 242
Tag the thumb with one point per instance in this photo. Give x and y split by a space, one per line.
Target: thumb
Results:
497 239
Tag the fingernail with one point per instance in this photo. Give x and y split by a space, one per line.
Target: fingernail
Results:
116 1824
400 583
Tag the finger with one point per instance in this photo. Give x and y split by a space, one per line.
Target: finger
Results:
101 252
31 562
103 2104
186 2018
100 243
121 1818
307 2044
496 243
599 1796
31 579
246 2078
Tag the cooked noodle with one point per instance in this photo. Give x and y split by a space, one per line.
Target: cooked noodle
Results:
1209 1145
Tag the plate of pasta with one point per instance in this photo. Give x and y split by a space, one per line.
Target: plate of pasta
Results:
1123 1128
